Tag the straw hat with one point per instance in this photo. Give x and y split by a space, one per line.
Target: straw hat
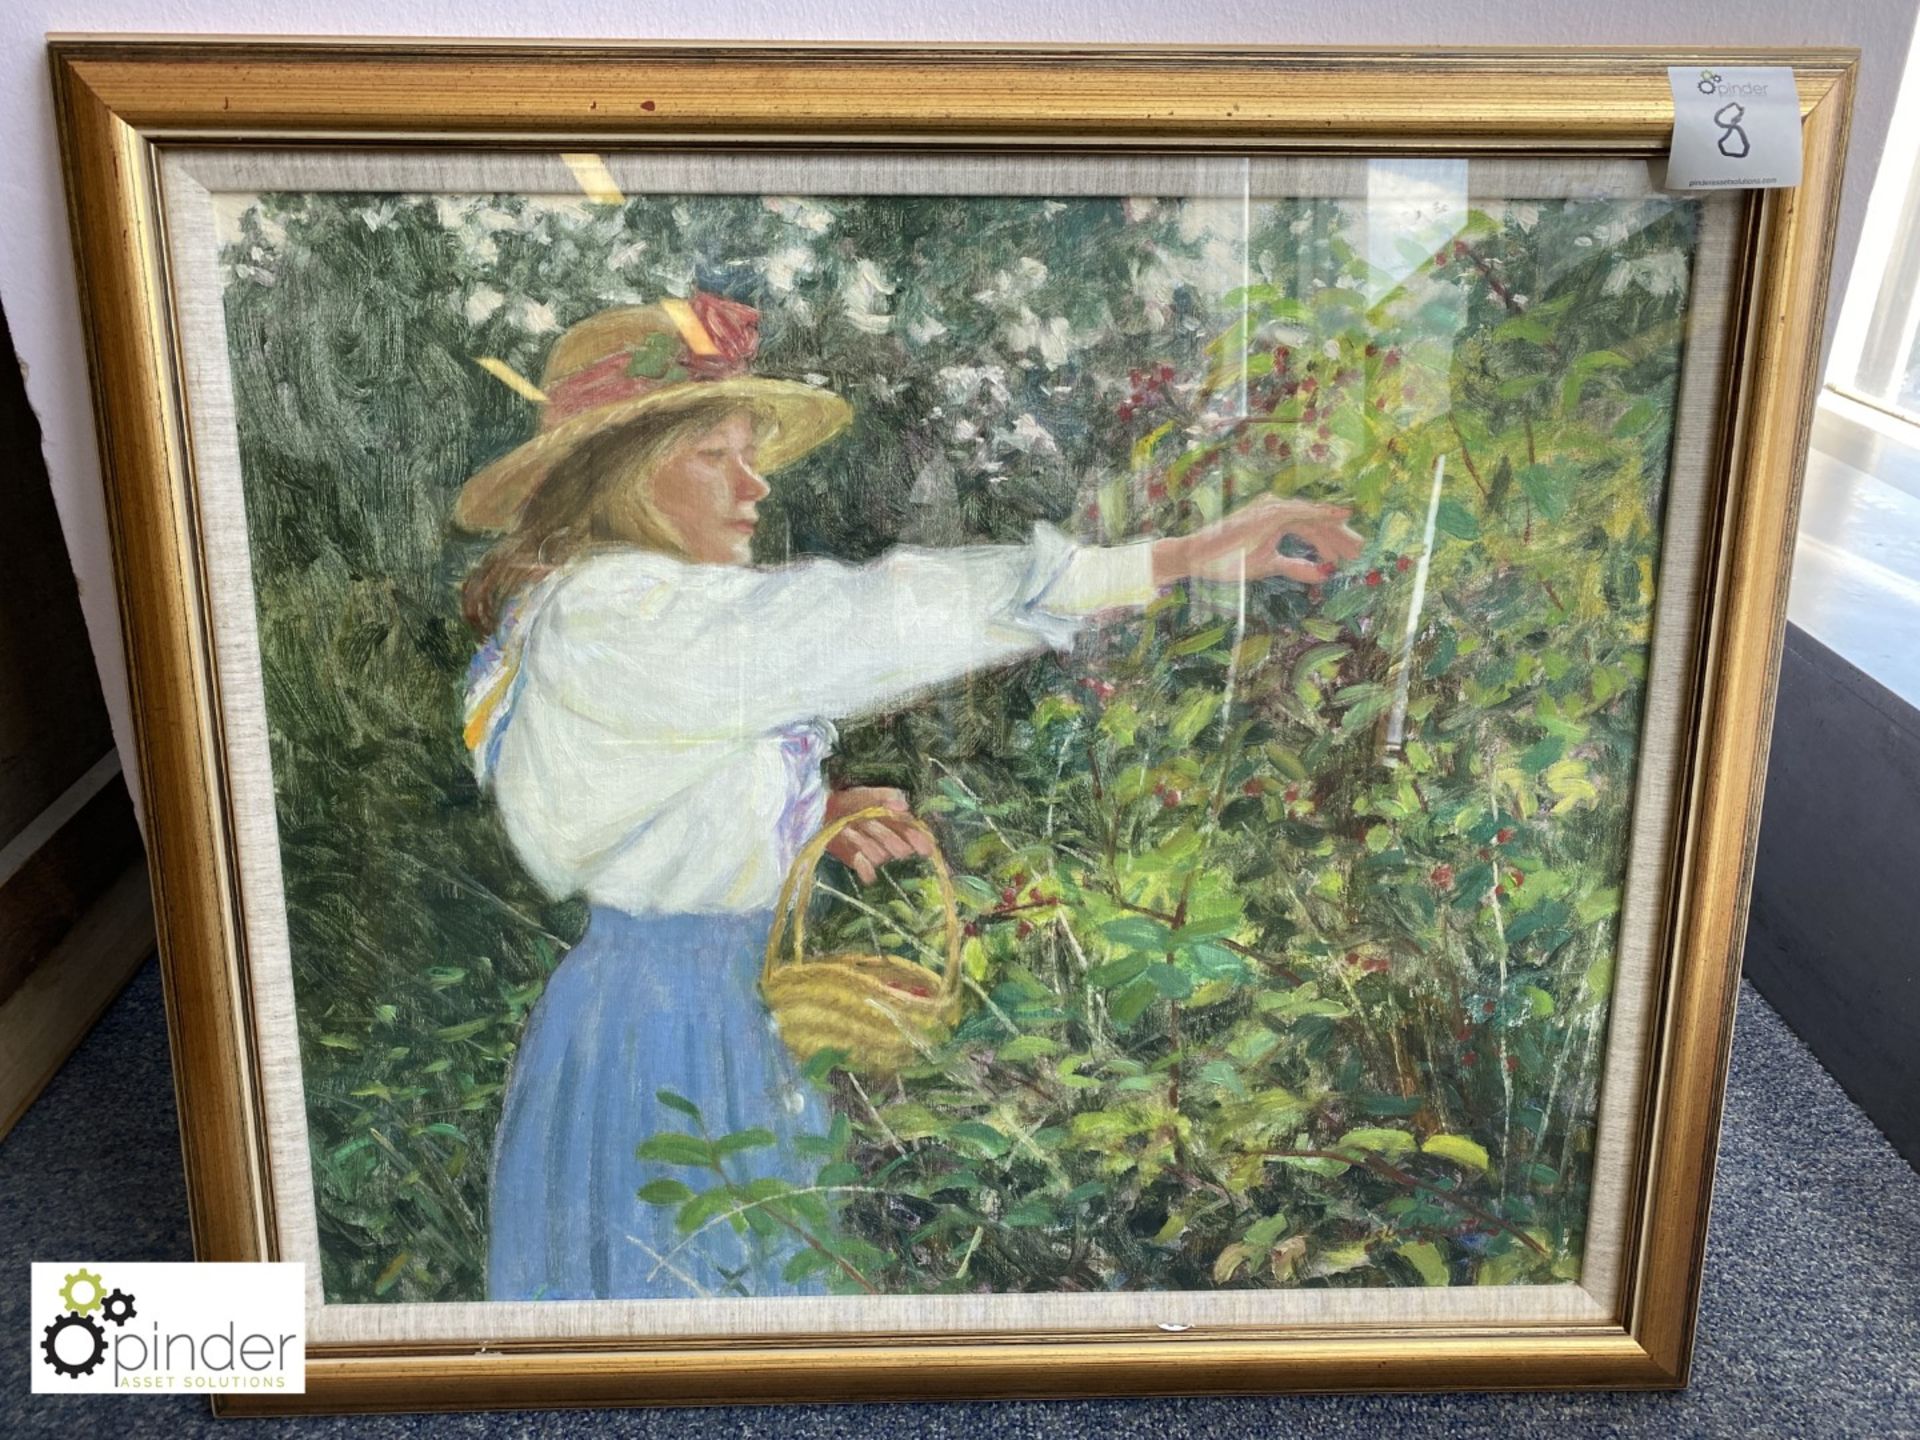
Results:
637 360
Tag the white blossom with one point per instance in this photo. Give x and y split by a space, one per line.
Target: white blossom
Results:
924 328
482 302
377 217
1053 338
785 266
963 385
808 215
1029 437
863 295
1026 276
535 318
1662 272
621 256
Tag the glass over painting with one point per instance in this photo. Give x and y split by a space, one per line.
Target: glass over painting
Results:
1287 868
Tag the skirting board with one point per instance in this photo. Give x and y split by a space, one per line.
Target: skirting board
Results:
48 1015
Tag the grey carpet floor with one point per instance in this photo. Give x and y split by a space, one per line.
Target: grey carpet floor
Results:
1810 1325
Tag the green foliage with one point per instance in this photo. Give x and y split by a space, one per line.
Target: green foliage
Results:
1289 914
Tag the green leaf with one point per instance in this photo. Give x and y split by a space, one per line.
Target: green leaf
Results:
665 1192
678 1102
676 1149
1194 717
1119 972
1203 640
754 1139
1380 1141
1130 1002
1029 1047
982 1136
1424 1256
1139 932
1453 518
705 1206
1170 980
1459 1149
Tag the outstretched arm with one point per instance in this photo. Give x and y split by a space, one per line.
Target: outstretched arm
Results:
644 642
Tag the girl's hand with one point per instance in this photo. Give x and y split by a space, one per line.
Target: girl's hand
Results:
1249 538
867 845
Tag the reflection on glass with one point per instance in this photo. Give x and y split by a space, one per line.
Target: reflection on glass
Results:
1249 594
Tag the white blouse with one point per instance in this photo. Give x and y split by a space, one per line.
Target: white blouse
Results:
666 728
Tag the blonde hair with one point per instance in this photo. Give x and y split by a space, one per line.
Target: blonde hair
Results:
566 516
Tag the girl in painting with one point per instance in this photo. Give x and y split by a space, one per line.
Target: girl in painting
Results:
650 711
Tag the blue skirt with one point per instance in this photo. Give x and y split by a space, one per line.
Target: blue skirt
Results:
643 1003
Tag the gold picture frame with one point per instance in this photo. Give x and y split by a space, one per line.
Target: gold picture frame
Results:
126 106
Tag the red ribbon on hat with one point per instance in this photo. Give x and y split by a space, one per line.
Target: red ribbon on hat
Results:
718 340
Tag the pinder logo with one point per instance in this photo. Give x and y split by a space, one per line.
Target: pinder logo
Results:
136 1327
1709 81
84 1338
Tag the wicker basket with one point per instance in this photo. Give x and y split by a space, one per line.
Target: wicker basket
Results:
879 1009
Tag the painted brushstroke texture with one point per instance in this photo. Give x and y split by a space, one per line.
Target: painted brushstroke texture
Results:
1289 911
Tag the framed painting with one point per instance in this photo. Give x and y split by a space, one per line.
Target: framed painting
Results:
853 722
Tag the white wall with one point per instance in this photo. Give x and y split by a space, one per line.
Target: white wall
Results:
36 273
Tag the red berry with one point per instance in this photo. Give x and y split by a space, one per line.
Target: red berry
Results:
1281 354
1156 490
1463 1034
1391 359
1484 853
1442 876
1486 1007
1293 794
1379 402
1505 834
1353 957
1372 350
1373 577
972 927
1170 798
1166 372
1134 376
1439 257
1512 1064
1009 895
1309 384
1124 410
1517 878
1325 432
1285 450
1310 414
1470 1058
1403 564
1252 787
1272 442
1023 930
1326 569
1019 878
1104 689
1317 451
1034 893
1375 965
1459 247
1288 387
